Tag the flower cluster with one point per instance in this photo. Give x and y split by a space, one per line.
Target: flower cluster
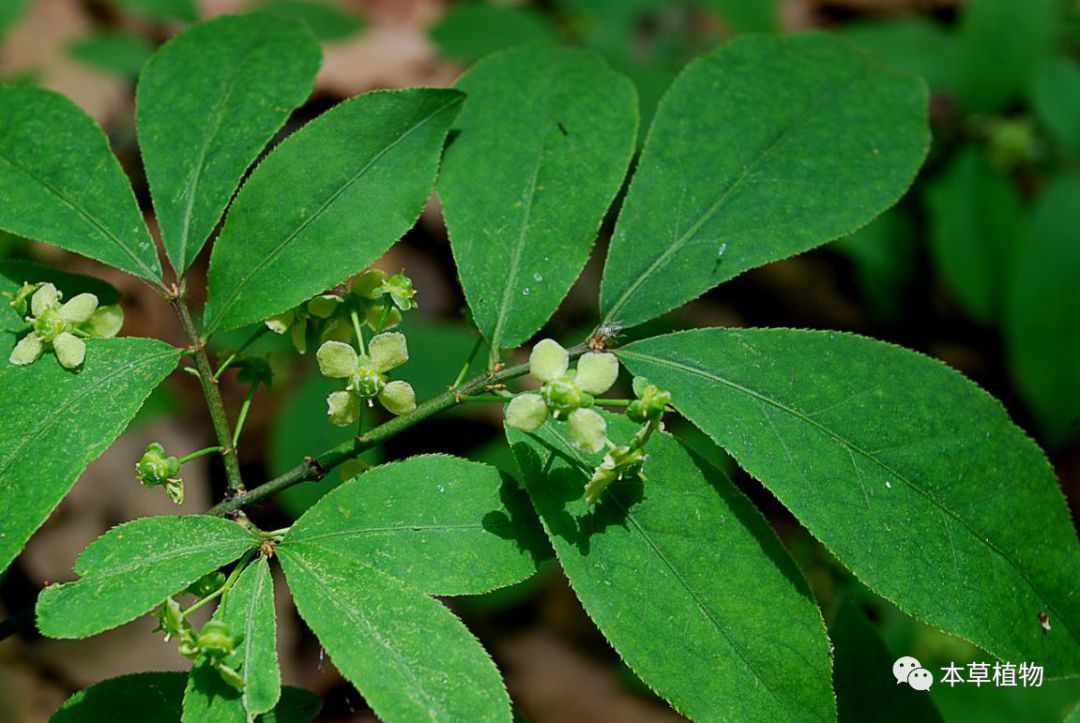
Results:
367 377
156 468
627 459
376 298
60 327
571 393
214 643
566 393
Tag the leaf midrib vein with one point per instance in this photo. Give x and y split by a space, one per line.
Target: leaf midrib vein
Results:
230 299
851 446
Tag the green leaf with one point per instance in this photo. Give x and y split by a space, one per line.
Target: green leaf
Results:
327 22
208 697
1056 101
115 51
60 183
208 102
1041 330
913 44
14 273
760 150
408 655
249 609
56 422
683 575
913 476
471 30
865 687
975 218
542 148
182 10
154 697
341 191
140 696
1000 44
444 525
133 567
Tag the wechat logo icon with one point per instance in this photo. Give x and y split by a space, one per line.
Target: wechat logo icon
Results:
909 670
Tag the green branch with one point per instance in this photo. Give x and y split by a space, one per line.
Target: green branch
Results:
212 393
315 468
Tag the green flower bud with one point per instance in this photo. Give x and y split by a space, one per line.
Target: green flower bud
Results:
400 289
596 372
207 584
587 430
20 302
216 640
526 412
155 467
548 361
388 351
398 398
651 402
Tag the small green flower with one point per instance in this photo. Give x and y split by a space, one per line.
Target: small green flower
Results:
61 327
309 317
399 288
157 468
216 640
622 461
367 377
650 403
567 393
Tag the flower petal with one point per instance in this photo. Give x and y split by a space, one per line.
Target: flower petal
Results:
324 305
388 351
45 298
70 350
79 309
298 334
526 412
106 322
398 397
343 408
337 359
548 360
597 372
587 430
280 324
27 351
366 284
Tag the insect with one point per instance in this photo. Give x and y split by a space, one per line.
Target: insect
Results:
603 334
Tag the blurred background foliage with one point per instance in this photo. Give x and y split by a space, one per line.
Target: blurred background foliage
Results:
979 265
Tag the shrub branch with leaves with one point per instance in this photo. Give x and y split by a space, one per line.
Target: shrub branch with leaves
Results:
916 479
